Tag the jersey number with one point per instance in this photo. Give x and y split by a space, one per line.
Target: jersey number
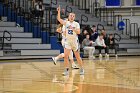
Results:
70 32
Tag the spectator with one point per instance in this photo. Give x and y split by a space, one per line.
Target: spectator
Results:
82 36
100 44
111 44
88 45
105 37
94 33
63 13
39 9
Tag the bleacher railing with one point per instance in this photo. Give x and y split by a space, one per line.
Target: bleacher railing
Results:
127 26
68 10
84 18
100 27
4 37
117 37
139 35
133 30
54 2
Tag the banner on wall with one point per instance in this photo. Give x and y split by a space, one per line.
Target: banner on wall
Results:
113 2
137 2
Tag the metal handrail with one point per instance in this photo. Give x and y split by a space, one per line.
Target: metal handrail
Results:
135 30
117 19
83 19
116 34
7 38
51 28
67 9
94 8
103 28
139 35
127 23
54 3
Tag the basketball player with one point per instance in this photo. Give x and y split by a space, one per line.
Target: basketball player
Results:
61 29
72 29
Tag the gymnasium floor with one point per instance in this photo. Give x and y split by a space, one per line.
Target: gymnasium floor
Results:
42 76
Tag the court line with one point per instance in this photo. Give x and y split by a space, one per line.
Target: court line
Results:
127 79
40 70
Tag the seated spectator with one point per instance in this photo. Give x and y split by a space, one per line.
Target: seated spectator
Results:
88 45
94 33
39 9
100 44
82 36
111 44
105 37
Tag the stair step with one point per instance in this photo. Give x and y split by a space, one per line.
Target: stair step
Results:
12 29
133 46
7 24
25 57
31 46
4 19
11 52
1 52
17 35
128 41
24 41
133 50
93 23
39 52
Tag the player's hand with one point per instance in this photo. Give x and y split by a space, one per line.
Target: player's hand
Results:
91 42
105 46
58 9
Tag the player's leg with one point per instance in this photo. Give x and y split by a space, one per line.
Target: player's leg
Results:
74 66
76 48
80 62
58 57
66 61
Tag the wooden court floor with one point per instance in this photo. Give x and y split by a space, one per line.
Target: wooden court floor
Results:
120 75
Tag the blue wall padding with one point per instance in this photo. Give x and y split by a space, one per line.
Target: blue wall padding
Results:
26 26
137 2
36 32
1 9
55 44
113 3
9 14
44 36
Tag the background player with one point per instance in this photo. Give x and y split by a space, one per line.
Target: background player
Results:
61 29
72 28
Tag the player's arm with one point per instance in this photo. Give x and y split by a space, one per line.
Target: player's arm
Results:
59 18
77 31
59 30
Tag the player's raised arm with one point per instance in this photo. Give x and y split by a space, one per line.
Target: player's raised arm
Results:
59 18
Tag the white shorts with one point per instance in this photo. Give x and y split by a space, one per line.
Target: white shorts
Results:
72 44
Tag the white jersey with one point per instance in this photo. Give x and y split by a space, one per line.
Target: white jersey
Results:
71 35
